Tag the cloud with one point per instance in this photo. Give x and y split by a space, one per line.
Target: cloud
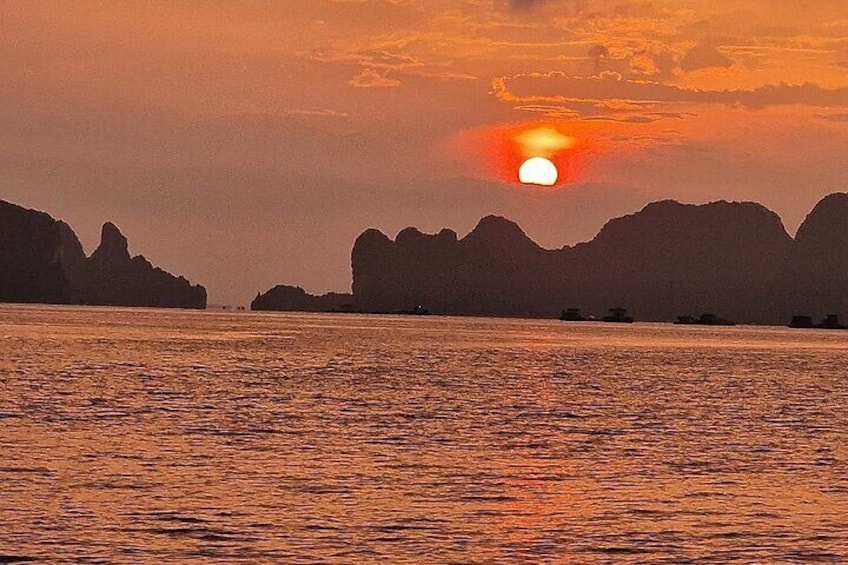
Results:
369 78
315 112
524 4
841 118
606 92
380 59
550 110
704 56
569 6
443 75
647 119
653 61
370 58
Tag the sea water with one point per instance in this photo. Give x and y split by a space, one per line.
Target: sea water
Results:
151 436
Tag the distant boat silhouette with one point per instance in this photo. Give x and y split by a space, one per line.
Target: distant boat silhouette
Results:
703 320
802 322
572 315
831 322
417 311
618 316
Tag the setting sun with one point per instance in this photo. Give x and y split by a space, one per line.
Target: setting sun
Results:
538 170
542 153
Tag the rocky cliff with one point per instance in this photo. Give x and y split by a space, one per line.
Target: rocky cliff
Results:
671 259
817 271
495 270
111 277
42 261
37 255
732 259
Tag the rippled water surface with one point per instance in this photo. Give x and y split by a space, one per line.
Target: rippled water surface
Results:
145 436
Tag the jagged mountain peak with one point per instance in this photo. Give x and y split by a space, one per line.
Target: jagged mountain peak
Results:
113 247
828 219
498 230
667 219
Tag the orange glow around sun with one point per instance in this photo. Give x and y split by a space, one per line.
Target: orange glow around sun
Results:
521 152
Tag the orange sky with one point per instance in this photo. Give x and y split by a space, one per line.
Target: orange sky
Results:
246 144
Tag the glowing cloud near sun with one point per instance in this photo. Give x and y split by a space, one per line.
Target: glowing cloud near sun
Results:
538 170
544 142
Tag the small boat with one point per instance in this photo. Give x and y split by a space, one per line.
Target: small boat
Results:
572 315
618 316
805 322
703 320
830 322
417 311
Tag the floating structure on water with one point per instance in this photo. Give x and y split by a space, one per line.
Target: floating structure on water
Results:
830 322
573 315
703 320
618 316
419 310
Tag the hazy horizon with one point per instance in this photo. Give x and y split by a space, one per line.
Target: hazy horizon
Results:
245 145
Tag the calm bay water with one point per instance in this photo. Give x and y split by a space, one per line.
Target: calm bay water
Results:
144 436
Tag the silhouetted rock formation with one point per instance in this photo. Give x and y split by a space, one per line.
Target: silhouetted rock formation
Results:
728 257
671 258
114 247
817 272
37 254
495 270
111 277
667 258
41 260
294 299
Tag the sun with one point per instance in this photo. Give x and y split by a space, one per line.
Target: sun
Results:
538 170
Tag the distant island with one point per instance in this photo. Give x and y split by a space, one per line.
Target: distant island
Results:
295 299
42 261
665 262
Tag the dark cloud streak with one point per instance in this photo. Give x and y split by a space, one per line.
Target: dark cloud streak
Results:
584 94
572 6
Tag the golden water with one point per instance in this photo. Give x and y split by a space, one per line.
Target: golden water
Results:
146 436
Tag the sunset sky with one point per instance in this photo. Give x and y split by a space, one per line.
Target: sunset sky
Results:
247 143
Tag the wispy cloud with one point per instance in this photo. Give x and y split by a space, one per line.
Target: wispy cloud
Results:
370 78
568 5
610 92
315 112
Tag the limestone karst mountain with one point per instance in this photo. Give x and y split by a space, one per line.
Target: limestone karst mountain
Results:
37 254
669 259
42 261
817 271
666 259
112 277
